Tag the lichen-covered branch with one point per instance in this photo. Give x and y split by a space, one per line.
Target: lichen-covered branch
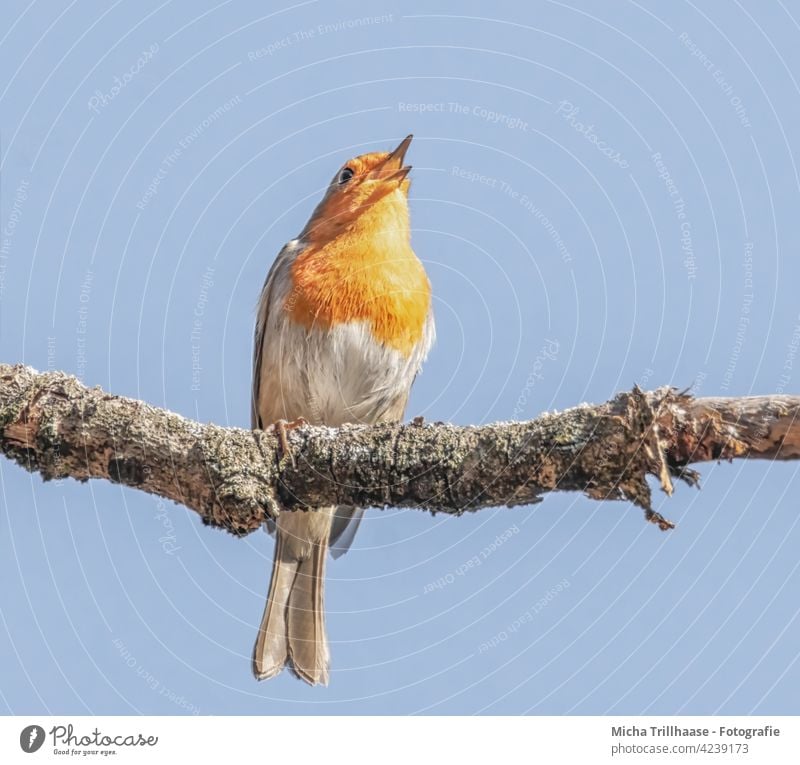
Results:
52 424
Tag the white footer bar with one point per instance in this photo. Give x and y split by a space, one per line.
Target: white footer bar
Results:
402 740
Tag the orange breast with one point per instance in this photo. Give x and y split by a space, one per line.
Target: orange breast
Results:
368 274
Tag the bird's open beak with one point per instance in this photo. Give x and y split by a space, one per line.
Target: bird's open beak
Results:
395 159
393 166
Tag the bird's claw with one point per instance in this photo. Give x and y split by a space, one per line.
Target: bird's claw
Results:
281 428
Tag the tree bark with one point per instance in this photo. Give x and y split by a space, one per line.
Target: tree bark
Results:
52 424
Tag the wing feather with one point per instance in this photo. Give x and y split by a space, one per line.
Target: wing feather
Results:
266 304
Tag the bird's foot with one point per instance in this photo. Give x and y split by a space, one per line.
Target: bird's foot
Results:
281 428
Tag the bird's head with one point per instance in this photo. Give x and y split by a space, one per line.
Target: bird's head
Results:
373 186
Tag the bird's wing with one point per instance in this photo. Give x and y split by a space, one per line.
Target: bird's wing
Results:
266 303
346 521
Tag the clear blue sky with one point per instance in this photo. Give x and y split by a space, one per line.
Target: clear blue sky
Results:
603 194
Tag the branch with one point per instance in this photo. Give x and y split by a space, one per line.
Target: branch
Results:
52 424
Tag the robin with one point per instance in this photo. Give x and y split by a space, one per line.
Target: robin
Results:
344 323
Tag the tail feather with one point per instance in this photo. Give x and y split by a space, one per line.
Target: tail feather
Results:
292 629
272 650
308 645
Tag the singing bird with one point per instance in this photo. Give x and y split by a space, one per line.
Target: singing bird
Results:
344 323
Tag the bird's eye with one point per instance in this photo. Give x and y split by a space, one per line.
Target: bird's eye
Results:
346 175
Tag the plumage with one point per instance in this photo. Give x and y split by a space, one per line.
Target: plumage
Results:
343 324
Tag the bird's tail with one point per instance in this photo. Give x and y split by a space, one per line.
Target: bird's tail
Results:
292 629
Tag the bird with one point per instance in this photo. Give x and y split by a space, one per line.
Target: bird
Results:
343 324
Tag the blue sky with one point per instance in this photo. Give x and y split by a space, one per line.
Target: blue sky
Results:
602 195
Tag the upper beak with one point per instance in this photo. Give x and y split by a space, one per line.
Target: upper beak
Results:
395 159
394 162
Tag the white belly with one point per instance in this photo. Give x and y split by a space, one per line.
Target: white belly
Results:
338 375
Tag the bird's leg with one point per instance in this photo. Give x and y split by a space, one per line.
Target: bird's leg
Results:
281 428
